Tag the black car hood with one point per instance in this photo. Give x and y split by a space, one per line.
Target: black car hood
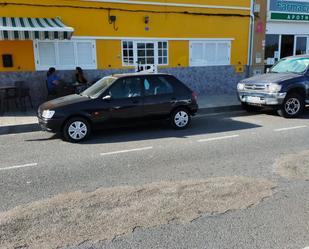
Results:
271 78
63 101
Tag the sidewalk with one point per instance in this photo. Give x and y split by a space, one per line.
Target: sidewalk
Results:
19 122
218 103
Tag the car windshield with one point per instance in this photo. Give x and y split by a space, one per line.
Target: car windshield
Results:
99 87
292 65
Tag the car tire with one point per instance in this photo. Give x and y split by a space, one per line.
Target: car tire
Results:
250 108
76 129
180 118
293 106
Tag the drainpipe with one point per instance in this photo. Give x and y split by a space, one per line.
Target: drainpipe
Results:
251 36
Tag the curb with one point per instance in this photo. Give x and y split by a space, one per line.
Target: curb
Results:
24 128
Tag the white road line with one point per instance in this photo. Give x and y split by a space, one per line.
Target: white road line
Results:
20 166
216 138
125 151
291 128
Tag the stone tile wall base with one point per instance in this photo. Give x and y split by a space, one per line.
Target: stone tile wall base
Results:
204 80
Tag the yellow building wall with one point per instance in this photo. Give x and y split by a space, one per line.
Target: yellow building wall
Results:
22 52
109 54
178 53
162 24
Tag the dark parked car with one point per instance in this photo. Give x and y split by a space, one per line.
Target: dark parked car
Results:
285 87
118 100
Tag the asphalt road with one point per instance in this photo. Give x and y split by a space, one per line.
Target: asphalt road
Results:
38 165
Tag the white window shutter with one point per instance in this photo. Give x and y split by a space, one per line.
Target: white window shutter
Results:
85 53
196 54
210 53
66 54
223 54
46 54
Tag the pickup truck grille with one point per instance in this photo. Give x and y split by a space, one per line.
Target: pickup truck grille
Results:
255 87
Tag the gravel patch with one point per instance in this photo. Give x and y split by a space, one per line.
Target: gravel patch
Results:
71 218
294 166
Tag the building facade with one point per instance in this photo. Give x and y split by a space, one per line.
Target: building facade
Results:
205 43
287 31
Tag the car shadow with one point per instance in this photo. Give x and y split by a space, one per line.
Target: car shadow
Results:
201 125
16 129
53 137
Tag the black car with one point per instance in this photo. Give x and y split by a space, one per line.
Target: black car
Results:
285 87
117 100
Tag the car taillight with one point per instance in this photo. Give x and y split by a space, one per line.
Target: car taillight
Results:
194 96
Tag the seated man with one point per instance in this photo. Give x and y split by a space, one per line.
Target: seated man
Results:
53 81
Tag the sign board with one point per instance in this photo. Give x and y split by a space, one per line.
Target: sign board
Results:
289 10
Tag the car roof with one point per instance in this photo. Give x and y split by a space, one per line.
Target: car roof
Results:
138 74
302 56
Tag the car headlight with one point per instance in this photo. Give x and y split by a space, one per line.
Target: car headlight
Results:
48 114
240 86
274 88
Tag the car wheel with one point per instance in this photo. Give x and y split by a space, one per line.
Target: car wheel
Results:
76 130
180 118
293 105
250 108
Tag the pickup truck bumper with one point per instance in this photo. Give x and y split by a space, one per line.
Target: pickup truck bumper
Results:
258 98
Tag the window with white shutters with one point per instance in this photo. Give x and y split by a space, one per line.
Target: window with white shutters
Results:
210 53
65 55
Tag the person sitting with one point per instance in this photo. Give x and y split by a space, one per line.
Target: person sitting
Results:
79 76
80 79
53 81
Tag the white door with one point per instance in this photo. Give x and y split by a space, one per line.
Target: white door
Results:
145 54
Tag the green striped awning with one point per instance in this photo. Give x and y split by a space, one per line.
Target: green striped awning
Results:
23 28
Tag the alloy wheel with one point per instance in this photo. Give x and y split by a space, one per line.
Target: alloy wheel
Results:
181 119
77 130
292 106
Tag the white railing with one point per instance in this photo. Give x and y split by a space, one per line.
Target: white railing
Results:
146 68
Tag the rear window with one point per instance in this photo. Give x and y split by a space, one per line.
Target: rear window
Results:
178 85
158 85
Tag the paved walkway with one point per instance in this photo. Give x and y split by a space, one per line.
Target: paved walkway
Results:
18 118
27 121
215 101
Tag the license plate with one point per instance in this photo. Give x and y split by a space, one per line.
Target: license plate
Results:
254 100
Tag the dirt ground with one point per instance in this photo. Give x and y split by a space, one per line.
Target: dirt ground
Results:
71 218
294 166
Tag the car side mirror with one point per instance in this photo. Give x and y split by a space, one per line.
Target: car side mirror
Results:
107 97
